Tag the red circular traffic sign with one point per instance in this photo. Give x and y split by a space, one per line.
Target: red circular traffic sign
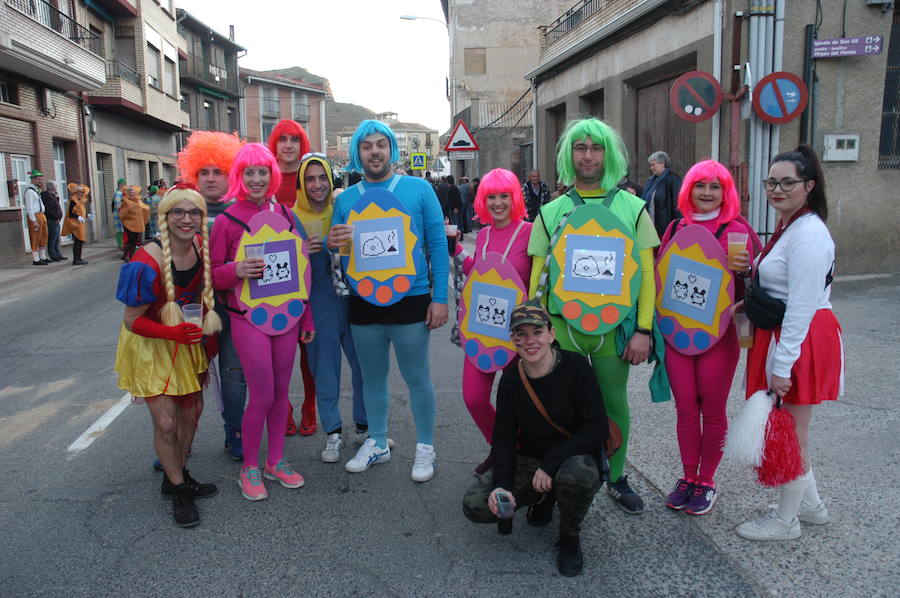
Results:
695 96
780 97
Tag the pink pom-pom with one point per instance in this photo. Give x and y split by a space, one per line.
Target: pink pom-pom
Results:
781 462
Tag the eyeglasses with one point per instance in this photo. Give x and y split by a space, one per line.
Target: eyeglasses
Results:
786 184
178 213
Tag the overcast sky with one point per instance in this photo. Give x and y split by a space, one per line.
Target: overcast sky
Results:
370 56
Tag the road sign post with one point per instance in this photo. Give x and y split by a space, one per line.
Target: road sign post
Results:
847 46
780 97
695 96
418 161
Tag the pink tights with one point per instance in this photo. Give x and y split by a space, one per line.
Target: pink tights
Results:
701 384
477 396
267 362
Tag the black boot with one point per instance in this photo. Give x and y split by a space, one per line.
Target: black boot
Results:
198 489
569 561
541 513
183 508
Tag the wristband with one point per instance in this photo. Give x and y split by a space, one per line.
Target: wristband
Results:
640 330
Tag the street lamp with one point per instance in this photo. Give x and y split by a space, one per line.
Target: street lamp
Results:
418 18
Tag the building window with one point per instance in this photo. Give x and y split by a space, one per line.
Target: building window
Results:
889 145
209 111
153 66
169 80
4 192
301 106
269 101
232 120
186 102
266 125
475 61
9 92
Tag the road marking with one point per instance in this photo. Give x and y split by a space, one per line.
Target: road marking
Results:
97 428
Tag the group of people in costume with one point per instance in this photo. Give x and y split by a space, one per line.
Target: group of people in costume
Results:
43 213
562 306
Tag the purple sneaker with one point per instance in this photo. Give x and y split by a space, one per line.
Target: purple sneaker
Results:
702 499
679 497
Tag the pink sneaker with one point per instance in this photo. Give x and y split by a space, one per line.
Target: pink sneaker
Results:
283 474
252 487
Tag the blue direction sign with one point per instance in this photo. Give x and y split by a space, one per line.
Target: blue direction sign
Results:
417 161
847 46
779 98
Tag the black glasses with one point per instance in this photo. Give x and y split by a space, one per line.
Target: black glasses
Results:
178 213
786 184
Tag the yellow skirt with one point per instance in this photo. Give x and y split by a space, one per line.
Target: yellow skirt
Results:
151 366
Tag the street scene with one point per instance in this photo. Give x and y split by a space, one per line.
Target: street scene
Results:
581 298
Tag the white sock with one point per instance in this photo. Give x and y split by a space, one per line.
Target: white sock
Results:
36 255
43 253
811 494
791 497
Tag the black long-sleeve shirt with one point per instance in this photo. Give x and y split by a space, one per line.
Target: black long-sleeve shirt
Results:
571 395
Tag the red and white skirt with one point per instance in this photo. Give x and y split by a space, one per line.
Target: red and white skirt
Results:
817 375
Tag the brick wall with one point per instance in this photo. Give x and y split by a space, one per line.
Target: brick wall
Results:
251 111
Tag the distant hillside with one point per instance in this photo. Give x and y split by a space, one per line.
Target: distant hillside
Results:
298 73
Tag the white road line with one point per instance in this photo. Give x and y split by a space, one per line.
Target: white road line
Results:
91 434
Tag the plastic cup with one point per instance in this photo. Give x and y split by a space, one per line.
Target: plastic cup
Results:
451 237
313 227
346 247
744 330
737 245
254 252
193 313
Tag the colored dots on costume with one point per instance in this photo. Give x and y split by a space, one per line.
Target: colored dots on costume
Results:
295 308
701 340
279 322
609 314
667 326
383 294
501 357
365 288
471 348
682 340
590 322
259 316
401 284
484 361
571 310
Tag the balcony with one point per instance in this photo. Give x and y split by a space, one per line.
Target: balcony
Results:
195 70
115 68
269 107
38 40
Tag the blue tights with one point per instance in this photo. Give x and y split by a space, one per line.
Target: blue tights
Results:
411 349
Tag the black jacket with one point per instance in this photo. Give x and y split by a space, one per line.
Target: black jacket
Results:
663 195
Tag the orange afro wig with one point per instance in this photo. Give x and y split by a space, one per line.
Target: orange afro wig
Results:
204 148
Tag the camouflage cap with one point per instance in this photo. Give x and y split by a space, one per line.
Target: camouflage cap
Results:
529 312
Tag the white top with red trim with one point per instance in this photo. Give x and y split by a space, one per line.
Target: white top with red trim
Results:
795 271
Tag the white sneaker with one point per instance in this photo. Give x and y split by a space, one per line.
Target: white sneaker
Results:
367 455
423 465
770 527
815 515
332 452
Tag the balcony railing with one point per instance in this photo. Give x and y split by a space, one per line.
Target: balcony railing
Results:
571 19
270 107
215 76
46 14
115 68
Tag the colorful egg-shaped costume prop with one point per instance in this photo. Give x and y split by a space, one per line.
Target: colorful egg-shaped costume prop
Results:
492 290
594 269
381 267
275 302
695 291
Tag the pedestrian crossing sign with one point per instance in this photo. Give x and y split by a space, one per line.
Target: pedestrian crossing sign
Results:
417 161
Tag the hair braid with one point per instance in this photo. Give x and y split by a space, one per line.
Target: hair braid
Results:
212 323
170 314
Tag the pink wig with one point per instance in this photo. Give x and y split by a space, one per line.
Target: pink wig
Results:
705 172
252 154
288 127
496 182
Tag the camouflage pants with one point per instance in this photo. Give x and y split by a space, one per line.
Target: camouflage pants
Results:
575 484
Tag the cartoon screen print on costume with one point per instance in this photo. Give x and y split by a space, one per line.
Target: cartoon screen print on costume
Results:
692 289
278 276
491 309
381 267
594 264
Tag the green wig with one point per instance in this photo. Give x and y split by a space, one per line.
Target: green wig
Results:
615 159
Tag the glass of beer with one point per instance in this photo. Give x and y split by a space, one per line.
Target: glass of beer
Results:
744 330
346 247
737 247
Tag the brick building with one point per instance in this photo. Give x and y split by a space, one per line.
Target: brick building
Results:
47 59
269 98
210 81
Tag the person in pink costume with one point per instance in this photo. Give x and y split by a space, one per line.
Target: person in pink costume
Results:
500 206
267 361
700 383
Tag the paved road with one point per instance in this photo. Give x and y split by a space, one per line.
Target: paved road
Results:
93 524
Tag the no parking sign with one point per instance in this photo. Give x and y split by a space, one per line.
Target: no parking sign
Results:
695 96
780 98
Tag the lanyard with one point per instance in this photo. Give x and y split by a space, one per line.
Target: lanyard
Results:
509 245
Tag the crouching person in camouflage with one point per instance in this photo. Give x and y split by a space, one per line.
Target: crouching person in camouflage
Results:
550 428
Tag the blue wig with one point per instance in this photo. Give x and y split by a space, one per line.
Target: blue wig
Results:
366 128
